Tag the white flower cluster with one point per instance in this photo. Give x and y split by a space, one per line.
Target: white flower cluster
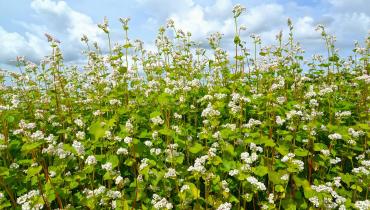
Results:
238 10
315 201
143 163
365 78
279 120
335 161
118 180
280 83
354 133
171 173
234 172
90 160
157 120
80 135
79 122
80 149
343 114
127 140
288 157
107 166
198 164
225 206
335 136
327 188
325 152
363 169
184 187
37 136
122 151
26 200
251 123
129 126
160 203
298 163
95 192
363 205
210 112
236 102
225 186
256 183
115 102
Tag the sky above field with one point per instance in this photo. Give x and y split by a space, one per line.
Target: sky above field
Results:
24 22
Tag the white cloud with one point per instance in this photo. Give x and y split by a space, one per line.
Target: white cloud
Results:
305 28
63 18
264 17
13 44
195 22
58 19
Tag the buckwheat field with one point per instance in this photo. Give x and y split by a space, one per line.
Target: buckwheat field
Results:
188 126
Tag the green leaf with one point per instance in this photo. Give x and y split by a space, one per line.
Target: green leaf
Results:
301 152
32 171
28 147
260 170
319 147
155 114
97 130
196 148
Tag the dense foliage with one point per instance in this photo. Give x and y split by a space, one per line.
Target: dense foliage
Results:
186 127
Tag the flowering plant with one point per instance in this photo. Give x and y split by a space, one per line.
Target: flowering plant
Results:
180 128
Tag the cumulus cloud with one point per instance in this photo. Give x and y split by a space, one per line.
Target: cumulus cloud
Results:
57 18
14 44
63 18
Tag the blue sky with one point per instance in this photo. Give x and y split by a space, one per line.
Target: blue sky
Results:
24 22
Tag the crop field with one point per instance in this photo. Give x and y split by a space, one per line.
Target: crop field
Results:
185 127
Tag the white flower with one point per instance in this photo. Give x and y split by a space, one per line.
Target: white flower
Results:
363 205
160 203
234 172
335 136
238 10
122 151
14 166
148 143
256 183
80 135
271 198
285 177
210 112
299 164
171 173
279 121
315 201
225 206
79 123
90 160
157 120
127 140
288 157
108 166
325 152
80 149
335 161
184 187
52 174
114 102
118 180
129 126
